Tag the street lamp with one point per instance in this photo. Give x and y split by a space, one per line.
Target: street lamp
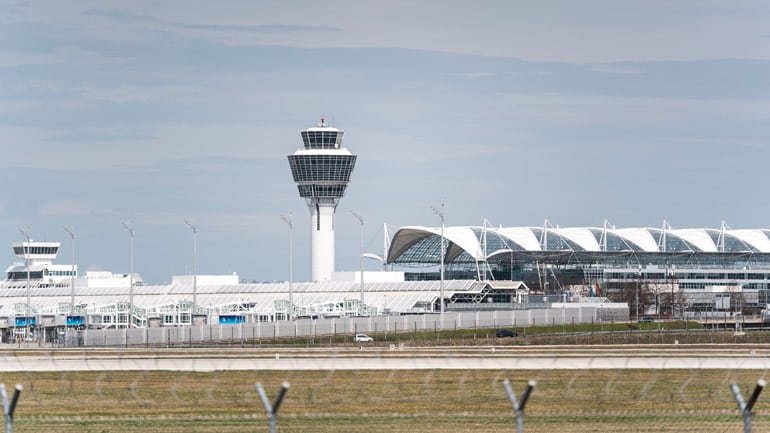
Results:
360 219
638 281
195 266
672 268
440 213
290 223
71 232
26 262
130 229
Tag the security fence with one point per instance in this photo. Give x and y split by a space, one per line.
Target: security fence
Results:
570 314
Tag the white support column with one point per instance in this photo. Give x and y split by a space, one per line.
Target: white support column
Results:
321 239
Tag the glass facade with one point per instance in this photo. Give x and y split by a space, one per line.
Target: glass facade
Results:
496 242
334 191
555 241
22 275
731 243
623 262
29 250
673 242
322 168
614 242
322 175
425 250
36 275
322 139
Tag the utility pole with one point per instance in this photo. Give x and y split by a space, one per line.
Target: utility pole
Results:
440 213
130 229
195 268
360 219
71 232
290 223
27 319
638 282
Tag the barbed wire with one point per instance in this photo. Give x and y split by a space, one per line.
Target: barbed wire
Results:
330 395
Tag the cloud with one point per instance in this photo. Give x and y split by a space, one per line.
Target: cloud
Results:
262 28
617 68
121 16
67 208
100 135
277 28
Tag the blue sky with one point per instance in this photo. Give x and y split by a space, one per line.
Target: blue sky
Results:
510 111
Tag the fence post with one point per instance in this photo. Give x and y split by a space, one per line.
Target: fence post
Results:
519 407
8 408
272 410
745 407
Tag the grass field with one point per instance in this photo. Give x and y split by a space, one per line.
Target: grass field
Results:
440 401
395 401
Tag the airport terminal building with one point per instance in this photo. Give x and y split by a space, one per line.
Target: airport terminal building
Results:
41 294
674 270
462 269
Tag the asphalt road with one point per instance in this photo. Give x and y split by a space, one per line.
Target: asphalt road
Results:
367 358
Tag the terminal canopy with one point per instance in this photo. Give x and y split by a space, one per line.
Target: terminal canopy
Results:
414 245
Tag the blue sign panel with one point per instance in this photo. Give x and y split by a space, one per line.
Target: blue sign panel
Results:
231 320
25 321
76 320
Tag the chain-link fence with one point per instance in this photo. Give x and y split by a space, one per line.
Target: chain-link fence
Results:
355 388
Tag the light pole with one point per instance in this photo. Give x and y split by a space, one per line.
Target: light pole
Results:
638 281
290 223
440 213
71 232
26 262
195 267
672 268
360 219
130 229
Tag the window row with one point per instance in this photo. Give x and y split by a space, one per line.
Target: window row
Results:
314 190
730 276
322 139
322 168
26 249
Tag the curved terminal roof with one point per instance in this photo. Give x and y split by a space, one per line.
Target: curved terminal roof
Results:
416 244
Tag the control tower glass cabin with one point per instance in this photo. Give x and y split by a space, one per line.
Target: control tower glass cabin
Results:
322 171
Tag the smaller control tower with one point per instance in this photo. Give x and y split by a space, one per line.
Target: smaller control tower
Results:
322 172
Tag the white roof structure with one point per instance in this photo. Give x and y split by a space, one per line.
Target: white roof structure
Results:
417 244
402 296
581 236
757 239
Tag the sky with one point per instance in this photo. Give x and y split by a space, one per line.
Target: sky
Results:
512 112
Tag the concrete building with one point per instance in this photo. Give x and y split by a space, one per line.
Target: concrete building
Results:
664 270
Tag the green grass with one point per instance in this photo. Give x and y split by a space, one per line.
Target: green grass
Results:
393 401
439 401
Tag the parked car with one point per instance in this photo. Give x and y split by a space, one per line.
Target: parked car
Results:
645 319
502 333
363 338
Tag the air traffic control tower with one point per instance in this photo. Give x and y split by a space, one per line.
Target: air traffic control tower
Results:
322 172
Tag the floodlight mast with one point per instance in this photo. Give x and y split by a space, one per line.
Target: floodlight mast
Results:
71 232
360 219
130 228
290 223
195 267
440 213
26 262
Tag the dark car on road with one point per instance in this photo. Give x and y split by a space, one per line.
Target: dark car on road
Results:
502 333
